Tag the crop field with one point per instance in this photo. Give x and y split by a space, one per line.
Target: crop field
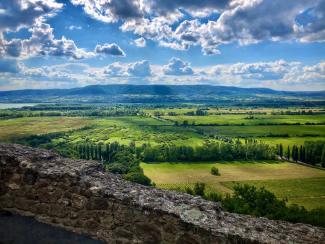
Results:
299 184
266 130
245 119
15 128
289 141
135 129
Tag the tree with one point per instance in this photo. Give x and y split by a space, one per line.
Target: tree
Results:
323 157
95 151
87 152
91 151
288 153
295 153
302 154
280 150
214 171
100 153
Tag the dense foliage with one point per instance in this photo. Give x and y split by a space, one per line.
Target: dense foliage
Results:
209 151
312 152
247 199
53 110
118 159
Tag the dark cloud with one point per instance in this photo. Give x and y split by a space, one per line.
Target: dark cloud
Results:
15 14
111 10
12 48
110 49
167 6
313 29
189 37
124 9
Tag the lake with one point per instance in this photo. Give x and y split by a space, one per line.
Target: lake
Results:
15 105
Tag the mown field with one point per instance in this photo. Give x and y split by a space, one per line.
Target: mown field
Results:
299 184
15 128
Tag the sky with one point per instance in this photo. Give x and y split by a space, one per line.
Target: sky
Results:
246 43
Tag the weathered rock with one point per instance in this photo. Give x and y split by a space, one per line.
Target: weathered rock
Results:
80 196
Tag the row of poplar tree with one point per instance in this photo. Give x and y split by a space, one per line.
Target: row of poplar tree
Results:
210 150
312 152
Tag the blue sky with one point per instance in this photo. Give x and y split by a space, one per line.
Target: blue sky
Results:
247 43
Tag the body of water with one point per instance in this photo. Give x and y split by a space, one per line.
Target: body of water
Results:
15 105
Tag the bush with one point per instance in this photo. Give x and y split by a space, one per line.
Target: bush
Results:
117 168
138 177
189 190
214 171
248 199
261 202
199 189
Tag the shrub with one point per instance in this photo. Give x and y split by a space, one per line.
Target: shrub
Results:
261 202
117 168
215 171
189 190
138 177
199 189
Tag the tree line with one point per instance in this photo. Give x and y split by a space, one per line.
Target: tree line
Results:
312 152
209 151
117 158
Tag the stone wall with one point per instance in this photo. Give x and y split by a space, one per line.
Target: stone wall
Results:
80 196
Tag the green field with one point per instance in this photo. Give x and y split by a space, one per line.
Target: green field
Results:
308 192
120 129
290 140
135 129
265 130
142 130
286 180
237 119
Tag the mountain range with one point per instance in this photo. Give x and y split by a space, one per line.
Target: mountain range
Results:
154 93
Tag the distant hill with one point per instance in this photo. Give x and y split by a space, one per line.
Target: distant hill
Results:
153 94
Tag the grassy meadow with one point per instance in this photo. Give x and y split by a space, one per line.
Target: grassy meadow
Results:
299 184
247 119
